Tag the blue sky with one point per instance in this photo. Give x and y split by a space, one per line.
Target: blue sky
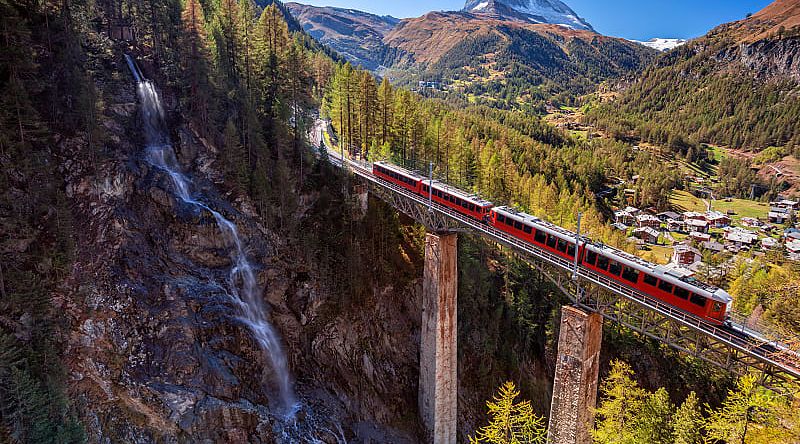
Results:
633 19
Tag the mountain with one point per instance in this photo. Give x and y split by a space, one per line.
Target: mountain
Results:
738 86
552 12
356 35
662 44
483 56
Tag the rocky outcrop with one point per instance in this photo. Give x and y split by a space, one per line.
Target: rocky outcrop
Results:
155 350
772 58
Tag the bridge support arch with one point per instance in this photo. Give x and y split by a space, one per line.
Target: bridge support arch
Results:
438 379
575 383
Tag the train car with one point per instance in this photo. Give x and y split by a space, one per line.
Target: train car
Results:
399 176
685 293
451 197
533 230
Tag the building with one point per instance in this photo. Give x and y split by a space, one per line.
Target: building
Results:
778 215
751 222
667 215
786 204
717 219
713 246
647 234
741 238
793 249
769 243
686 255
648 220
699 237
620 226
676 225
626 216
693 215
699 225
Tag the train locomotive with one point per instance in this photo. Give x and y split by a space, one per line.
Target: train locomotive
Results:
685 293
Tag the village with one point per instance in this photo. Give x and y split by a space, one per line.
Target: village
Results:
694 236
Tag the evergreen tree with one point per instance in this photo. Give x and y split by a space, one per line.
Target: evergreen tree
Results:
687 422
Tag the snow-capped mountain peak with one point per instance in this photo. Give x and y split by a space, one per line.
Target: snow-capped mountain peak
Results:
534 11
662 44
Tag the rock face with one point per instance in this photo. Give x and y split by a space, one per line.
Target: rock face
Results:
156 351
554 12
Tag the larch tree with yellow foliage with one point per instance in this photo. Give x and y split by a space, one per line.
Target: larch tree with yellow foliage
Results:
510 422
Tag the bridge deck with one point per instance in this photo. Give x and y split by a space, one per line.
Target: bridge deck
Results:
783 363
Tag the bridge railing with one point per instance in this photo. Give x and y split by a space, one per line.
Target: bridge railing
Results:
784 358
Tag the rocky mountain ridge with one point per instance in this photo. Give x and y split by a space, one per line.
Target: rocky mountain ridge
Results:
553 12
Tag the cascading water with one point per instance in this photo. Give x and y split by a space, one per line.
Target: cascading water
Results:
242 285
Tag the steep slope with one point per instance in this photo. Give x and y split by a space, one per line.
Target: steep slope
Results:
511 61
357 36
553 12
502 59
737 86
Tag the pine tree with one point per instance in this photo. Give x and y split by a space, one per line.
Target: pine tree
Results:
750 414
195 61
510 422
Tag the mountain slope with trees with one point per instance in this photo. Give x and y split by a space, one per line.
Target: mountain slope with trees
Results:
739 86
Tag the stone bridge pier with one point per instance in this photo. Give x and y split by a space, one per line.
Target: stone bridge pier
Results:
575 383
438 379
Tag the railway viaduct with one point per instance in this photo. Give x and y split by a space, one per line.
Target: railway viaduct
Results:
594 299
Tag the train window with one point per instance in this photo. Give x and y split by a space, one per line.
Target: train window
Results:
501 219
591 257
562 246
666 286
551 241
682 293
717 306
571 249
465 204
630 274
518 225
425 188
527 229
650 280
615 268
602 262
540 237
510 222
698 300
472 207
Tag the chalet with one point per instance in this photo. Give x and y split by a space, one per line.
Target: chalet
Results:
685 255
699 237
693 215
717 219
793 249
619 226
769 243
713 246
626 216
648 220
676 225
699 225
667 215
751 222
778 215
741 238
646 234
786 204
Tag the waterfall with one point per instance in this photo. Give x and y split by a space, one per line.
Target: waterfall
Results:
242 285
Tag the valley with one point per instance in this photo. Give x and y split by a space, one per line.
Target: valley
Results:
239 221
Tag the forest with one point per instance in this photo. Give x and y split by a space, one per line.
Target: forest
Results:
251 86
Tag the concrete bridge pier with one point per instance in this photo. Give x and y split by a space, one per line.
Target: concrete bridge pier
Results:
438 380
575 383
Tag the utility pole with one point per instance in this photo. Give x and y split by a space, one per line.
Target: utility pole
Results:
577 253
430 187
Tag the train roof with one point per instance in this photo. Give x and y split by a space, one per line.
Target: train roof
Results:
474 198
538 223
661 272
400 170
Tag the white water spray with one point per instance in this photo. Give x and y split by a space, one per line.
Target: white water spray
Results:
242 285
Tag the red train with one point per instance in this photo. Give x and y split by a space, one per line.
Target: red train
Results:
687 294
